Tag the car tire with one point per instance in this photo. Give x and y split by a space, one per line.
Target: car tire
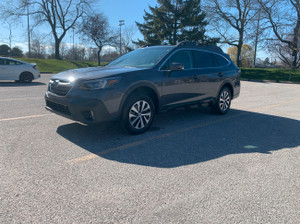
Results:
222 104
138 114
26 77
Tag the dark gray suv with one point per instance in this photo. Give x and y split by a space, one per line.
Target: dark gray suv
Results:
143 82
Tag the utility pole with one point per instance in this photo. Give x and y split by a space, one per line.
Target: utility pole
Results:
28 29
73 42
121 23
10 38
256 36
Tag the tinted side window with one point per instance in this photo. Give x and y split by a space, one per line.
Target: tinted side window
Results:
17 63
7 62
183 57
204 59
221 60
10 62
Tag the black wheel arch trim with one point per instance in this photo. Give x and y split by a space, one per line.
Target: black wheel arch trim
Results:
226 83
135 86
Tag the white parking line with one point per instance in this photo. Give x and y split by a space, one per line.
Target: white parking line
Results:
26 117
21 99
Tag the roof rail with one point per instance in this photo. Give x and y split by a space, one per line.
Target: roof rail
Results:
202 46
186 43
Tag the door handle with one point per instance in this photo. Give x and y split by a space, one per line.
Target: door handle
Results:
220 74
196 77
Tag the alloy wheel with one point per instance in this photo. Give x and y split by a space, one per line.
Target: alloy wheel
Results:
224 101
140 114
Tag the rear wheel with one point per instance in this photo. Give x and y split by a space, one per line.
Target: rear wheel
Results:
26 77
138 113
223 102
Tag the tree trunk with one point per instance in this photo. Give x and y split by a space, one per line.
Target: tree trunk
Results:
175 24
239 48
295 58
99 57
239 52
57 43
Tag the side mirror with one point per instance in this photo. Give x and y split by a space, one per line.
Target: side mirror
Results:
175 66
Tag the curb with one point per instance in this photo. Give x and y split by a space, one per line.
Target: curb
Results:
269 81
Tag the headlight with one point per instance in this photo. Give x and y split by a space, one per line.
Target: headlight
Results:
98 83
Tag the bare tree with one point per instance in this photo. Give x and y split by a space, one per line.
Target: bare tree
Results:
284 18
96 29
38 46
61 15
127 37
230 19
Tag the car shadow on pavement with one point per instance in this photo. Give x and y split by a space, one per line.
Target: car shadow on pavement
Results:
17 84
180 138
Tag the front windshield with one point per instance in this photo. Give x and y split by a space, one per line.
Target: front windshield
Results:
143 57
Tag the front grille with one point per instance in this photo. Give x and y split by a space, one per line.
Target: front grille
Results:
58 107
59 87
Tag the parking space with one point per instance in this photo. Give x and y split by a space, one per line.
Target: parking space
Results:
190 167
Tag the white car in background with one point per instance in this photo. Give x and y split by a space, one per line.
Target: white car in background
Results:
12 69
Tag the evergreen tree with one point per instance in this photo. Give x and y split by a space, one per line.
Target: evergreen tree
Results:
172 21
16 52
4 50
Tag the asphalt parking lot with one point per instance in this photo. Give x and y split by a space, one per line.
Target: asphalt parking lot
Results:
191 167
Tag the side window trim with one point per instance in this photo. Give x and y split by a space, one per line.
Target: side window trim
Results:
222 57
215 61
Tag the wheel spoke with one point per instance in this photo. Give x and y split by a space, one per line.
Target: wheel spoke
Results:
146 114
134 109
134 120
142 122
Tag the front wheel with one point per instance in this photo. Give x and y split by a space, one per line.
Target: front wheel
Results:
138 114
223 102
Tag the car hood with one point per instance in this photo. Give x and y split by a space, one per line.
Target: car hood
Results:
93 73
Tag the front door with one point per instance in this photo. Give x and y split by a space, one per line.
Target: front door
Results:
179 86
4 69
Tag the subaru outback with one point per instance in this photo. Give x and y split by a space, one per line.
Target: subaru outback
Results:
141 83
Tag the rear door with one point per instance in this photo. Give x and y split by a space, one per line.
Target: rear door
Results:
209 74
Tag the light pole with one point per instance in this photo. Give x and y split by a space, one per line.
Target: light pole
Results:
28 28
73 27
256 36
121 23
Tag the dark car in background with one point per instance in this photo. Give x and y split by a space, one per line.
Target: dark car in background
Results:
141 83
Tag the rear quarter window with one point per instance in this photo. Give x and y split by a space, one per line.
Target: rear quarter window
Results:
203 59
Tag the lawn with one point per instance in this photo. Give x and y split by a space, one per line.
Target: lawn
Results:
55 66
270 74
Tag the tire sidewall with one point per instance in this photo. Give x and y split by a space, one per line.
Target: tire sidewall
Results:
128 105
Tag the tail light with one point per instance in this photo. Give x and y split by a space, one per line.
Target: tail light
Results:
35 67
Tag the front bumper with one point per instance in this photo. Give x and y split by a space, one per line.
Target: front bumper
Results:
84 107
